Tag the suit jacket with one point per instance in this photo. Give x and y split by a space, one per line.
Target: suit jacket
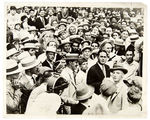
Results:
31 22
40 24
95 76
77 109
45 63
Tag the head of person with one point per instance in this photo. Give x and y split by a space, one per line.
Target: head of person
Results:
94 45
124 24
109 30
108 87
31 48
95 31
107 46
87 35
135 89
133 25
118 72
12 69
75 46
54 23
50 53
18 26
129 55
102 57
30 65
86 52
13 10
32 13
80 31
115 35
83 64
56 84
72 60
42 13
72 29
124 34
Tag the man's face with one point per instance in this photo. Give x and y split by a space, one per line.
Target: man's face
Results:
35 70
108 48
129 56
75 46
94 46
86 53
102 58
42 13
74 64
67 47
117 75
32 51
32 13
50 56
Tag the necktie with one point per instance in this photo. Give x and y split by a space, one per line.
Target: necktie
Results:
104 71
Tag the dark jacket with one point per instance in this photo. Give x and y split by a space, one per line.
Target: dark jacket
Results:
40 24
77 109
45 63
95 76
31 22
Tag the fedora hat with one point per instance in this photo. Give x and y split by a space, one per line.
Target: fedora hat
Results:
84 92
61 24
29 62
51 49
119 42
86 47
72 56
11 52
12 67
32 28
69 17
29 45
119 67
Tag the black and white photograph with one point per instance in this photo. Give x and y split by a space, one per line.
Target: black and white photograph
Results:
75 59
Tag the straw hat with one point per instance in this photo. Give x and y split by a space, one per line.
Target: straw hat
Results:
96 24
134 37
23 55
76 38
29 62
72 56
29 45
86 47
119 42
12 67
11 52
65 41
51 49
84 92
119 67
32 28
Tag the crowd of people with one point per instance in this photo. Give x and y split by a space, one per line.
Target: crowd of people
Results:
74 60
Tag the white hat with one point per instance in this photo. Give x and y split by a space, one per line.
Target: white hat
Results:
29 62
51 49
29 45
11 52
12 67
23 55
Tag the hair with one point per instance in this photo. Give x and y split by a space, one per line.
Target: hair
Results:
130 48
102 51
104 43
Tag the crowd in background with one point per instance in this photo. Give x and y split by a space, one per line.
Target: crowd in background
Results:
74 60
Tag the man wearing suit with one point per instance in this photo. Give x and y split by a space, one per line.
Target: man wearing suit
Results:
98 72
32 19
41 21
50 54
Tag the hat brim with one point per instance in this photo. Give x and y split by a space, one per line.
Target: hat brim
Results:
86 48
119 44
87 95
29 48
16 71
122 69
32 66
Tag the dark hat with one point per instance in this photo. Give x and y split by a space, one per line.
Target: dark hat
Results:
13 8
119 67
